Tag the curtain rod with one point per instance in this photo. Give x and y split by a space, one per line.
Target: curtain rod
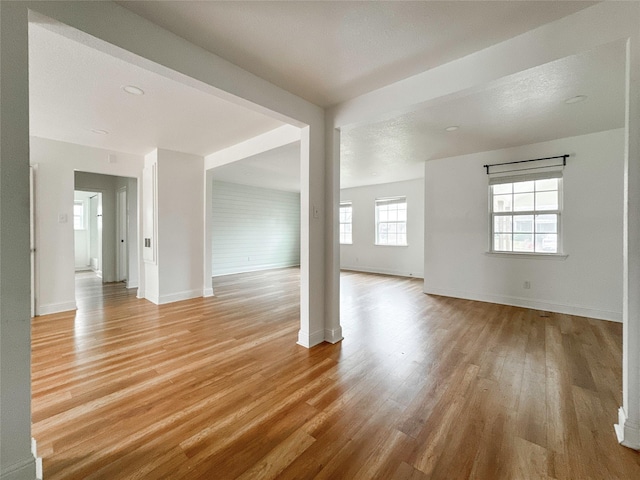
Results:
563 157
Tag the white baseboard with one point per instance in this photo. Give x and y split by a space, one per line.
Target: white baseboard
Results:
207 292
131 285
179 296
309 340
50 308
529 303
34 451
153 298
383 271
333 335
628 433
250 269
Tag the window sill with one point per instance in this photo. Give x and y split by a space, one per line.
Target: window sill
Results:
387 245
345 243
533 256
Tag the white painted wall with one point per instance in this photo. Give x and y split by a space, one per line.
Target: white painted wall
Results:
364 255
177 219
57 161
588 282
254 228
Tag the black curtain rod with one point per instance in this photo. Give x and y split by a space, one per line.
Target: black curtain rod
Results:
563 157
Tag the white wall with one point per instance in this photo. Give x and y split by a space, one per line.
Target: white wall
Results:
254 228
588 282
56 162
364 255
175 215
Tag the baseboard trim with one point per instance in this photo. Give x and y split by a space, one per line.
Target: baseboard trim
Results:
20 471
333 335
628 432
207 292
528 303
382 271
260 268
309 340
179 296
132 285
50 308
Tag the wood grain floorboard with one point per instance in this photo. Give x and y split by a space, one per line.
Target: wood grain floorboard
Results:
422 387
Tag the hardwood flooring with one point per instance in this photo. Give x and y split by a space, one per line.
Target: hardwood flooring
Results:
422 387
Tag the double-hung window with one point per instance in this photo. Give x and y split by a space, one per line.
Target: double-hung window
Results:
346 218
78 215
391 221
525 214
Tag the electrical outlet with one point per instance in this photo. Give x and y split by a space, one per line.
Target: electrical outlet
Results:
527 285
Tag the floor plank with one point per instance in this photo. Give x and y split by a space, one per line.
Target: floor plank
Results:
422 387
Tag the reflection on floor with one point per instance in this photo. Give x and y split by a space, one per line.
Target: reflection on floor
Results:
422 387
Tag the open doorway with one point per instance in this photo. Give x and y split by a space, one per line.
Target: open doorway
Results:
87 231
105 226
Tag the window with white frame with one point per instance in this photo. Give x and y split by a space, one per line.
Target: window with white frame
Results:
391 221
346 219
78 215
525 214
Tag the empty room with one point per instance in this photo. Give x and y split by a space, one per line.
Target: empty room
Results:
391 240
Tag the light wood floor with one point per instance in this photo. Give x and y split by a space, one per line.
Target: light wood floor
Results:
421 388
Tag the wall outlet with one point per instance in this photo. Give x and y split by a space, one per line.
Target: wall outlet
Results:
526 285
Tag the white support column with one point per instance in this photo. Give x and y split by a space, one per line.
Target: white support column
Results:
17 460
207 280
333 330
312 281
628 427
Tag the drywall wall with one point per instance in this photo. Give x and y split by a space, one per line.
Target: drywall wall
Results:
254 228
174 224
55 163
587 282
363 254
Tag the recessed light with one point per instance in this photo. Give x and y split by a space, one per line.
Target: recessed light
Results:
99 132
452 128
133 90
576 99
374 173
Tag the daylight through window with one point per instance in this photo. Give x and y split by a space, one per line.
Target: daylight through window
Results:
346 215
391 221
525 215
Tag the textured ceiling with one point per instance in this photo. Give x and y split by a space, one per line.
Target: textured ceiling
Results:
331 51
524 108
74 89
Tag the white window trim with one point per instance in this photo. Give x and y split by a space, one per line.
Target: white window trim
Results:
345 204
502 178
403 199
84 215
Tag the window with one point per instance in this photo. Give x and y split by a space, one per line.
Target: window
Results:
78 215
391 221
525 214
345 222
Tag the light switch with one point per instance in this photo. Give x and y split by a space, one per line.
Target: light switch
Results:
316 212
62 218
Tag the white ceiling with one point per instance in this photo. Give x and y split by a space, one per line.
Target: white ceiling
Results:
324 51
278 168
524 108
331 51
74 89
